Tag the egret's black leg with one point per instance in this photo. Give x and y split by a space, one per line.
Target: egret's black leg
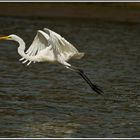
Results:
82 74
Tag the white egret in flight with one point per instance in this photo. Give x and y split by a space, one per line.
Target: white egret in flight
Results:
50 46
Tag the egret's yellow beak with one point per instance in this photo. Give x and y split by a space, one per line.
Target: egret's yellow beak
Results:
5 37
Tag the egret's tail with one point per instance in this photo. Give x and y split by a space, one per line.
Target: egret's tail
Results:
78 55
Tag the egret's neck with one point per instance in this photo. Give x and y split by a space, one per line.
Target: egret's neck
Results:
21 42
21 50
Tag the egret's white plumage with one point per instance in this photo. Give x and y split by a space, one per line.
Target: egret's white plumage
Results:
52 47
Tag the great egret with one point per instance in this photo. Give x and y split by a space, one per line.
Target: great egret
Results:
52 47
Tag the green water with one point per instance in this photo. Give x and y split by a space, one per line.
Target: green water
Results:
47 100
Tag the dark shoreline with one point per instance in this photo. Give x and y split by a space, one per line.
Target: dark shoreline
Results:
122 12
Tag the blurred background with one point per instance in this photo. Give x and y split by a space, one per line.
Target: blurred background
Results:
46 100
120 11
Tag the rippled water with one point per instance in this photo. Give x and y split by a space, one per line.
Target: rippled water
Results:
47 100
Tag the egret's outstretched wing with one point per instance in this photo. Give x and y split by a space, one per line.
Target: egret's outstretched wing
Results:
39 43
62 47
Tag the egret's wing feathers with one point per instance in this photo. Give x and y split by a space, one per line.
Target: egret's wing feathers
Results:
62 46
39 43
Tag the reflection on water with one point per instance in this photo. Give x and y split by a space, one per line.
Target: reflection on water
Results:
46 100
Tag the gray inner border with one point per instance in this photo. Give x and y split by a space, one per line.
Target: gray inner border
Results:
69 1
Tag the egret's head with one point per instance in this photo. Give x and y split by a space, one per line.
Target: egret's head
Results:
11 37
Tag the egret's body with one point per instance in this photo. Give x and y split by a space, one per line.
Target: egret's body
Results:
50 46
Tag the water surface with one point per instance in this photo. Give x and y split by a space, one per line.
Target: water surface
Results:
47 100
